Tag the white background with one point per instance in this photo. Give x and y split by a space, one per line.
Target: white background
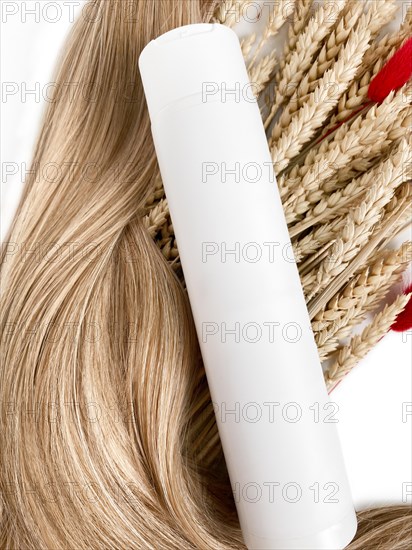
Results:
376 438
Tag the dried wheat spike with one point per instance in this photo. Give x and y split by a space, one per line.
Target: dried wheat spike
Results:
329 165
330 51
282 9
358 347
382 13
228 12
379 234
375 58
292 132
246 45
308 43
402 201
157 217
399 130
402 128
387 175
300 19
352 236
261 73
360 295
388 43
157 194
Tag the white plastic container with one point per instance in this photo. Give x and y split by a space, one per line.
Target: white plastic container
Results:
275 420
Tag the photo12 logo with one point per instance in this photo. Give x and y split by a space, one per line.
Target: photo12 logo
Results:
225 92
276 412
291 492
248 252
249 172
251 332
43 11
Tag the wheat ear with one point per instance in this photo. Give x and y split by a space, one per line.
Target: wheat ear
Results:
282 9
389 173
358 347
302 125
315 305
157 217
375 58
402 201
300 19
229 12
332 161
261 73
360 295
366 26
307 44
329 51
353 235
246 45
224 12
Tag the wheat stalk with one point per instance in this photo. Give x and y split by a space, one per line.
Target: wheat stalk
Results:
389 174
303 124
228 12
353 234
300 58
360 295
157 217
281 10
261 73
400 202
333 160
246 45
365 27
306 265
315 305
329 51
360 345
375 58
301 15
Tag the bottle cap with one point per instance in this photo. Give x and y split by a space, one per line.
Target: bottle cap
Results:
193 59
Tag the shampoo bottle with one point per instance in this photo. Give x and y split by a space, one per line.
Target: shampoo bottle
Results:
276 423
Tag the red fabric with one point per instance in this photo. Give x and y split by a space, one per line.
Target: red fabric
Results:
404 319
396 73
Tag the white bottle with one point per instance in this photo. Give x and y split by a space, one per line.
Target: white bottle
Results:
274 417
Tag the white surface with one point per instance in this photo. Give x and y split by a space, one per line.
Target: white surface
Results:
376 441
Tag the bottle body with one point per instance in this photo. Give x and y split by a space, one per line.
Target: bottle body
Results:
275 421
